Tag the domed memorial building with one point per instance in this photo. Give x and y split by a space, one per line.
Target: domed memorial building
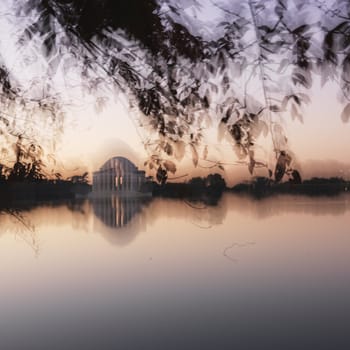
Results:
119 175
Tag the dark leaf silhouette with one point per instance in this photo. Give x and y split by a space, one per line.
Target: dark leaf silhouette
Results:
281 166
345 116
205 152
170 166
195 157
162 175
295 177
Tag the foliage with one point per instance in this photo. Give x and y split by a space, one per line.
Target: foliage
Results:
79 179
256 66
29 127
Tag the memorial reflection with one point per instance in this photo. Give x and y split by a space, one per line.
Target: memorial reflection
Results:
119 219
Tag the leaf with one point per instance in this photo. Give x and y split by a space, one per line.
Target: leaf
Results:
328 40
301 79
285 103
223 24
206 102
221 167
170 166
214 88
256 128
275 108
265 28
265 129
222 129
279 171
162 175
296 114
174 9
194 155
302 29
168 149
236 132
296 99
179 148
346 68
296 178
345 116
4 120
283 160
205 152
251 166
228 114
240 151
305 98
50 44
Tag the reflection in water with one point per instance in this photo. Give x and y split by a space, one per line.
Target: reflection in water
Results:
269 274
117 211
21 227
287 204
119 219
227 251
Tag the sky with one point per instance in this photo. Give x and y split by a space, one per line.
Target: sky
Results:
320 143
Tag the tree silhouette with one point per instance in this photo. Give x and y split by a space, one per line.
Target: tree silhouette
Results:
28 165
79 179
244 75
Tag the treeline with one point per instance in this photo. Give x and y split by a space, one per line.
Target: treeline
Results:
28 182
212 187
206 189
27 178
315 186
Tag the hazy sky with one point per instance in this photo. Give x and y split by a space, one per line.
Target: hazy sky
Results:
90 137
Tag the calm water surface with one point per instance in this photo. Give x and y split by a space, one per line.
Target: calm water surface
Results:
168 274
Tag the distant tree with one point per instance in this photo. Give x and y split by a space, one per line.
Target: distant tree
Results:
18 172
28 165
58 176
162 175
2 175
295 177
197 182
79 179
215 181
34 171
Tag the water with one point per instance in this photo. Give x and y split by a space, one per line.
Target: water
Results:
169 274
